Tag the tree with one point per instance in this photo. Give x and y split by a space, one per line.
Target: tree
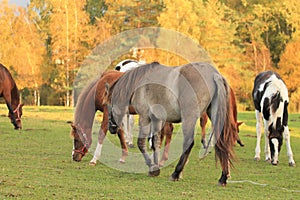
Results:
126 15
24 50
70 31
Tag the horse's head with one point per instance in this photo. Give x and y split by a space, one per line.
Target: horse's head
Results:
275 139
17 114
239 141
80 146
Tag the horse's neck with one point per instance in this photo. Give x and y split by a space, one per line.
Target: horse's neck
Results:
15 98
85 112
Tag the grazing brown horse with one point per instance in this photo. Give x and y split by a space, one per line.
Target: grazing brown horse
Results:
90 101
9 91
204 118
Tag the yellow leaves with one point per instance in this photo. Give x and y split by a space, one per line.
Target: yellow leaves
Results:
22 49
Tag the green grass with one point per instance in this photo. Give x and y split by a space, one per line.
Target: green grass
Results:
35 163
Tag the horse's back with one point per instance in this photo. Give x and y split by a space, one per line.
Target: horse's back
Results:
266 84
6 80
177 90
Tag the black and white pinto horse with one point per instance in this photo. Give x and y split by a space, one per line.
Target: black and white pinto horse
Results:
271 100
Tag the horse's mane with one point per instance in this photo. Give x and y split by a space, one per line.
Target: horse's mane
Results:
131 80
86 94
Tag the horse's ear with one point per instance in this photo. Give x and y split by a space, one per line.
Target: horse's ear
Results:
22 104
239 123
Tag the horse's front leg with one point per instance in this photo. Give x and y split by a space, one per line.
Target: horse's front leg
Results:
267 145
156 126
123 145
258 134
141 142
101 137
286 135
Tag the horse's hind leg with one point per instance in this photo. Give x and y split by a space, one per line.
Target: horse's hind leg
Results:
188 143
203 122
167 131
123 145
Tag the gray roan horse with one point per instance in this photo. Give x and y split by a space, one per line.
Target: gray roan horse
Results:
175 94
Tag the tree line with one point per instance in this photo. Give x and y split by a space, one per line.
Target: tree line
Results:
45 43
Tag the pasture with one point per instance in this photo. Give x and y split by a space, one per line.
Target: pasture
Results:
36 163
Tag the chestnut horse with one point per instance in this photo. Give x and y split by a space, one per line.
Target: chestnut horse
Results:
89 102
204 118
9 91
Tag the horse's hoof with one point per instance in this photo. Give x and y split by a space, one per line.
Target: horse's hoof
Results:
154 171
292 164
92 163
256 158
173 179
274 163
130 145
268 160
222 184
122 161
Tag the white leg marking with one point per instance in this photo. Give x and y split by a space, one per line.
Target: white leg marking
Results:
286 135
267 145
275 158
258 134
97 154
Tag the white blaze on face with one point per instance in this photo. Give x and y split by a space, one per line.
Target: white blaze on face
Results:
73 150
275 143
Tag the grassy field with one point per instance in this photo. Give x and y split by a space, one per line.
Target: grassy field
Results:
35 163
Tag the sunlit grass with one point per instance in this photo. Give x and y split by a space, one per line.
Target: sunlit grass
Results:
36 164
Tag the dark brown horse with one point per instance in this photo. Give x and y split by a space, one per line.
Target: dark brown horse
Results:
90 101
9 91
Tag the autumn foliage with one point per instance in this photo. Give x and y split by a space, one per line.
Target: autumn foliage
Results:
45 43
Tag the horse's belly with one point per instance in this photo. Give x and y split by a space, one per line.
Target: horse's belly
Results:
158 101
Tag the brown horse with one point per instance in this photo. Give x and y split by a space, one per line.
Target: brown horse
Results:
204 118
9 91
90 101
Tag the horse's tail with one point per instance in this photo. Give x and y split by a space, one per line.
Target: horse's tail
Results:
222 119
